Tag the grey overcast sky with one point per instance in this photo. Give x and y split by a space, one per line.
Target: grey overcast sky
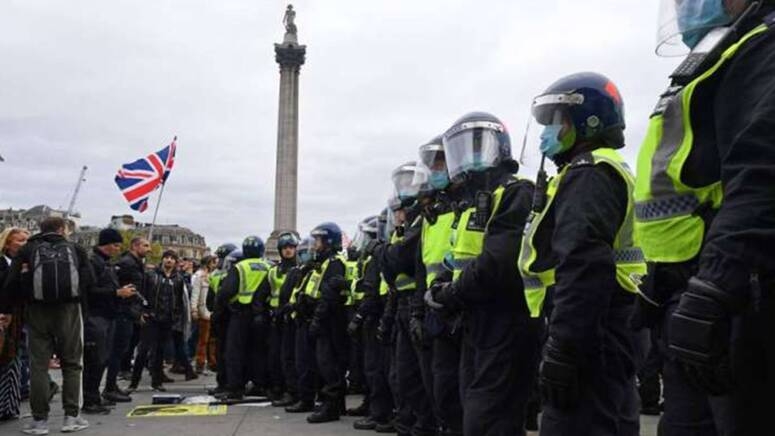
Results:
101 83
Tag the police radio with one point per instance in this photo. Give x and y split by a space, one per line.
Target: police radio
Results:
708 51
483 208
539 195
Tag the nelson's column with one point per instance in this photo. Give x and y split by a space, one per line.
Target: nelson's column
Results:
290 56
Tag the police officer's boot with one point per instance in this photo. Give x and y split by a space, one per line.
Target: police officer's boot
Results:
365 424
301 406
285 401
329 412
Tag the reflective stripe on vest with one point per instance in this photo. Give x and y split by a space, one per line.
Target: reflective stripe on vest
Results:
360 271
276 281
316 277
436 245
252 273
668 224
630 265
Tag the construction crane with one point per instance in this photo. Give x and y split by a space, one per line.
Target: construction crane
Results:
81 179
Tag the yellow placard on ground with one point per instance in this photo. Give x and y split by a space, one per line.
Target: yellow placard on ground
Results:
157 410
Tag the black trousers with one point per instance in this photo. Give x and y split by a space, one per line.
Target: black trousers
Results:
413 389
356 375
447 394
154 335
332 356
288 356
498 358
122 336
98 338
607 389
245 352
650 375
273 358
377 367
306 363
221 325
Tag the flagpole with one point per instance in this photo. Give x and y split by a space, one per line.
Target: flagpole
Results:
155 213
158 202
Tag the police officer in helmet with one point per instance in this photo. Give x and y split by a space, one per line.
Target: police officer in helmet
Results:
704 212
219 318
500 345
268 321
244 280
579 246
329 289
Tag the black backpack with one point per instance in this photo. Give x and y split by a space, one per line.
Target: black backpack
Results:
54 268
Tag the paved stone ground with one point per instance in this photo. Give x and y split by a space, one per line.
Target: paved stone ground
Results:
239 420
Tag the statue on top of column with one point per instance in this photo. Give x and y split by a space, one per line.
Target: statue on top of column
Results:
289 20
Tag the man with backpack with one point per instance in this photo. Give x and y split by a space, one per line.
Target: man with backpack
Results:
52 274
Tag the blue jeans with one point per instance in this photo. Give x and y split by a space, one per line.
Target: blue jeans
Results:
122 336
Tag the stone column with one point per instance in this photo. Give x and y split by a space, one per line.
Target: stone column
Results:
290 56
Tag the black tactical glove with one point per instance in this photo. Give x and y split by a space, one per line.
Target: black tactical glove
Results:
355 325
417 331
445 294
699 335
559 375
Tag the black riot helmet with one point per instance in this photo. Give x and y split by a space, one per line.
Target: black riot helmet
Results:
475 143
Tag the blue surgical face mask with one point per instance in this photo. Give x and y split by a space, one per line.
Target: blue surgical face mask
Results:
550 140
697 17
439 179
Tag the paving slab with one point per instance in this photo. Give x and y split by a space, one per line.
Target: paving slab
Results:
240 420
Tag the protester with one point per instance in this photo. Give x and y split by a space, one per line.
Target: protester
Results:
11 241
165 308
53 275
200 315
99 320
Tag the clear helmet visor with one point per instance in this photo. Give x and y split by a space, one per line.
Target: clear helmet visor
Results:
473 149
539 125
403 183
434 165
683 23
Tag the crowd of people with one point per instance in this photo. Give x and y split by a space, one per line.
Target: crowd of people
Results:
480 301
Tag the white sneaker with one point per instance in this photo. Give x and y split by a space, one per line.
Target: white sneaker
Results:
74 423
36 427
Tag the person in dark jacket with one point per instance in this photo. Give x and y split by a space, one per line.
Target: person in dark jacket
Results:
398 262
130 270
12 240
500 342
711 256
580 243
327 287
54 316
165 306
99 320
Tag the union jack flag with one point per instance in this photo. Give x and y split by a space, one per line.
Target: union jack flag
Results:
137 180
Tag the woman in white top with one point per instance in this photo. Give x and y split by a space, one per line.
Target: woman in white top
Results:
200 285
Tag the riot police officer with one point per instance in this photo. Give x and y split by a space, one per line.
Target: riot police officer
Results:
439 216
580 242
500 344
398 262
704 211
219 319
268 322
243 281
329 289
